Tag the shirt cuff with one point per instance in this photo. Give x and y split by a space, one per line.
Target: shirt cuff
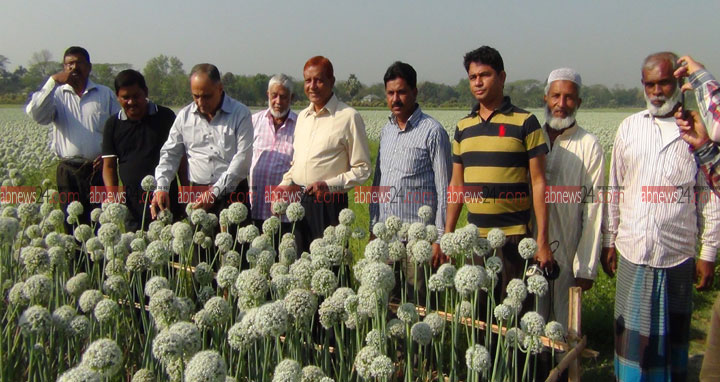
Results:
609 240
706 153
708 253
334 182
700 77
162 184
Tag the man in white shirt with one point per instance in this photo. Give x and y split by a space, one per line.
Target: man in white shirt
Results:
654 227
216 134
77 109
574 166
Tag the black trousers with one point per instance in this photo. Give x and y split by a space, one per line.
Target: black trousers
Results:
74 180
321 211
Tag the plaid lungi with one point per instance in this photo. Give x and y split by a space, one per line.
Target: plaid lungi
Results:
652 321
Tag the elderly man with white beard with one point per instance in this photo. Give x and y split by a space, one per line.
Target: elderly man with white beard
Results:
272 147
574 166
654 228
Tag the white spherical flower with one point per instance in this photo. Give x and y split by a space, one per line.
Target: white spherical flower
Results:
533 344
364 359
109 234
382 367
143 375
226 276
167 346
206 366
417 231
514 304
312 373
421 252
431 233
396 329
421 333
9 227
555 331
377 250
106 311
287 370
332 312
425 213
481 247
447 271
527 248
477 358
342 233
516 289
35 320
75 208
38 288
358 233
80 326
301 304
323 282
407 313
302 272
243 334
262 242
103 356
148 183
35 260
190 335
115 212
77 284
496 237
56 218
203 273
347 216
159 253
272 319
396 250
369 301
164 308
271 225
88 299
219 309
16 297
503 312
295 212
205 293
378 276
155 284
537 284
237 213
514 336
381 232
437 323
232 258
469 279
61 318
138 262
464 309
448 244
80 373
281 285
436 283
532 323
279 207
375 338
493 264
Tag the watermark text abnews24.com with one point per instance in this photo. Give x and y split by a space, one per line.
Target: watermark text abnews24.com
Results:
35 194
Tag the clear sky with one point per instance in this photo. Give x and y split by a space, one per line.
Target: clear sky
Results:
604 40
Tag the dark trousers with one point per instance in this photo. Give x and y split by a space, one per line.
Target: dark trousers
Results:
74 180
223 201
321 211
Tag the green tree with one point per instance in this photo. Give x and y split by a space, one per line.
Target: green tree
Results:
166 80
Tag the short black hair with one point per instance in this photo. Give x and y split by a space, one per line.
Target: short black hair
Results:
130 77
401 70
76 51
484 55
211 70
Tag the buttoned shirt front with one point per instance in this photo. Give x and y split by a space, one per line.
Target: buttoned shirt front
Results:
413 169
330 145
653 214
77 121
272 155
575 167
218 151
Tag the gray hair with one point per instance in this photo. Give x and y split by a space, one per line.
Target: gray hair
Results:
655 59
209 69
282 80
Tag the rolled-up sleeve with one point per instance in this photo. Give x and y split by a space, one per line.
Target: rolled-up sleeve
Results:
239 166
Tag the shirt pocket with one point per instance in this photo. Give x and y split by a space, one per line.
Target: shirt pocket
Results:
413 160
680 169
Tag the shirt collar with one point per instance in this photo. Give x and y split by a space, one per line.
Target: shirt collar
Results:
413 121
152 110
504 108
88 87
331 107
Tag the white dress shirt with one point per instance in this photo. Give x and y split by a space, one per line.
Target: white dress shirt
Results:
218 152
576 160
657 220
78 121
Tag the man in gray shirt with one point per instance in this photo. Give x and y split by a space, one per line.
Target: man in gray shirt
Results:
216 134
77 108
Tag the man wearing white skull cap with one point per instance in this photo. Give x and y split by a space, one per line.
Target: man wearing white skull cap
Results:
574 172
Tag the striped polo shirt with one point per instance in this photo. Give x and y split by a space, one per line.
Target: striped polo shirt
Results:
495 154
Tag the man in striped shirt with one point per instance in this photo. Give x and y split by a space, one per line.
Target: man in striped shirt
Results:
413 161
500 150
654 227
272 148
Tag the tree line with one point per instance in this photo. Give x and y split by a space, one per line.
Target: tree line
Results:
167 81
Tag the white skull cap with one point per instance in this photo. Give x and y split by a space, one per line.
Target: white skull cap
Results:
566 74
